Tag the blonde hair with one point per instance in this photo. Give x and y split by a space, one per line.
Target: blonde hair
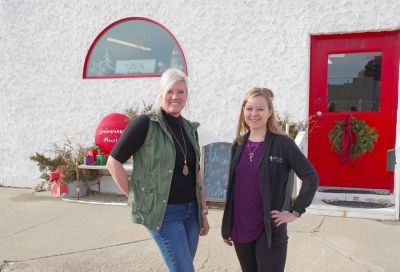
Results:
272 124
168 78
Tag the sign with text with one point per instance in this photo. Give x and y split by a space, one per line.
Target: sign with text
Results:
216 158
144 66
109 130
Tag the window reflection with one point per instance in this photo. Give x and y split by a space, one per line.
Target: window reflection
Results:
134 47
354 82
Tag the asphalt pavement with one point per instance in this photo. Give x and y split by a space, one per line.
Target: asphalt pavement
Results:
39 232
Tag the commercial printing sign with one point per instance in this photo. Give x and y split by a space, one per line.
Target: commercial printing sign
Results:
109 130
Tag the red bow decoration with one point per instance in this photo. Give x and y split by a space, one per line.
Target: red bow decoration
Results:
347 141
58 188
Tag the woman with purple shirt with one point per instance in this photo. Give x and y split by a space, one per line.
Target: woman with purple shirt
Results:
258 203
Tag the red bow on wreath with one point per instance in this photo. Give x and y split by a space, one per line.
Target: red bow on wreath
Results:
58 188
351 138
347 141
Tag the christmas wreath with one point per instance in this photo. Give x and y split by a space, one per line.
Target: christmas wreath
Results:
363 135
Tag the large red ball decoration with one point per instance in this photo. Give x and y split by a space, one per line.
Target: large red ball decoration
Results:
109 130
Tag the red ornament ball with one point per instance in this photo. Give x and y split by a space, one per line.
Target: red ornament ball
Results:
109 130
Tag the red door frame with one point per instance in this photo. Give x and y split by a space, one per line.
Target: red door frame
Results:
387 42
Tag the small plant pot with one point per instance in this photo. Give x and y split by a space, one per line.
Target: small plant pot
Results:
72 186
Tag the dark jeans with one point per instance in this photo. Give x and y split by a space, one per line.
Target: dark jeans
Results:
257 257
178 237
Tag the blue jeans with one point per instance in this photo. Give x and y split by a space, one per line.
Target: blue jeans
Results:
179 236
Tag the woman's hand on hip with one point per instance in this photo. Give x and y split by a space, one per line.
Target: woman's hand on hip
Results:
228 241
282 217
206 227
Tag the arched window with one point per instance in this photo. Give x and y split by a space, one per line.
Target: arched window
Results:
133 47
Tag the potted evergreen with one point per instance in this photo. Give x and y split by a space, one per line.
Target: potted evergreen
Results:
64 158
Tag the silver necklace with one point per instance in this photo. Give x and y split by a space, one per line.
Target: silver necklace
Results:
185 170
251 153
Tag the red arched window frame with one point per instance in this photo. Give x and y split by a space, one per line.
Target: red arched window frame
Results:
104 31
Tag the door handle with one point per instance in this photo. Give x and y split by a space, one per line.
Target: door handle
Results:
319 113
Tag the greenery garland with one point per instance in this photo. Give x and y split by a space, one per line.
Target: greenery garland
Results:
364 141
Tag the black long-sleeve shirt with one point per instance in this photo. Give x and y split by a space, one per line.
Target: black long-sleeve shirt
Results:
280 156
183 188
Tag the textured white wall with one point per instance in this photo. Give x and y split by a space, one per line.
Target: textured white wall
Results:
230 46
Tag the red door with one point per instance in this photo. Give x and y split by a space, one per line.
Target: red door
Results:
357 75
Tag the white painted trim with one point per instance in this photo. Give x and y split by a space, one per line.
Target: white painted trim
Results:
301 142
396 185
95 202
127 166
320 208
396 190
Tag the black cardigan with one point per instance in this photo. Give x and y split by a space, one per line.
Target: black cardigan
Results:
280 156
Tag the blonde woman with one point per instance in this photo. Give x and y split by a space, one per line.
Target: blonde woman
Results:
165 191
258 206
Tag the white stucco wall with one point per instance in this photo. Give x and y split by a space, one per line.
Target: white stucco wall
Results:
230 46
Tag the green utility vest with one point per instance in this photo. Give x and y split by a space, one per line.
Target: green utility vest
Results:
153 167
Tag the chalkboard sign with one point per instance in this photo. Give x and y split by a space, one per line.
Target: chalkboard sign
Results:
216 158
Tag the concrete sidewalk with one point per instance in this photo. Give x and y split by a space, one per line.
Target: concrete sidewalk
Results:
43 233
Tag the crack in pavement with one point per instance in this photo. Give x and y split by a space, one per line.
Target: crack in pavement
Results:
369 266
319 226
30 227
315 230
202 267
75 252
208 250
206 260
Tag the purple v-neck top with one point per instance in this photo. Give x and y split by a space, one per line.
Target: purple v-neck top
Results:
248 219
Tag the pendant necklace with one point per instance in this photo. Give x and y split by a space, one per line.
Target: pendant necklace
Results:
185 170
251 153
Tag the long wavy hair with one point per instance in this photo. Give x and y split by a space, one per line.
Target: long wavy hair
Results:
272 124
